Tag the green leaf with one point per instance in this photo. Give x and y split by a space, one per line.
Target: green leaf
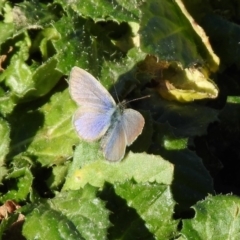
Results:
141 167
101 10
42 135
19 185
18 74
6 224
167 33
225 34
26 84
154 204
43 79
192 182
46 223
32 15
5 140
7 103
70 215
85 44
233 99
57 177
6 32
7 26
43 42
217 217
4 146
186 120
124 74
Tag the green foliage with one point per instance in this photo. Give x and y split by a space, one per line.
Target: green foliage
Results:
209 222
20 181
7 223
70 215
163 188
4 134
141 167
154 203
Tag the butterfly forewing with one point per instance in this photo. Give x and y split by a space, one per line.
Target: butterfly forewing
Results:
133 123
87 91
91 125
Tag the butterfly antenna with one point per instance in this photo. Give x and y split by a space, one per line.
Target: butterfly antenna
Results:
136 99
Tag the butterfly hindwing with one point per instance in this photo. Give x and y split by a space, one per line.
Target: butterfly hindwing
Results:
133 123
114 142
125 129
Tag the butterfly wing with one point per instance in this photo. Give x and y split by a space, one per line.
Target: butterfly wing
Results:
91 125
123 132
133 123
88 92
114 143
97 106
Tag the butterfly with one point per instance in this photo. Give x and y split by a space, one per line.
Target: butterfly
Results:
99 117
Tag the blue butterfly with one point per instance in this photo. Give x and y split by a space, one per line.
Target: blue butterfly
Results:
100 117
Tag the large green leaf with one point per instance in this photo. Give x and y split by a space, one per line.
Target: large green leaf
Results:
215 218
70 215
87 44
154 203
141 167
101 10
167 33
41 134
186 120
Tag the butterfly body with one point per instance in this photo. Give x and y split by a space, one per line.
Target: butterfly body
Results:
99 117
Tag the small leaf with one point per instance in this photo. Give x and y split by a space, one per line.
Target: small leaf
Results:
187 85
57 177
6 26
4 146
19 185
44 79
7 103
26 84
5 140
6 32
